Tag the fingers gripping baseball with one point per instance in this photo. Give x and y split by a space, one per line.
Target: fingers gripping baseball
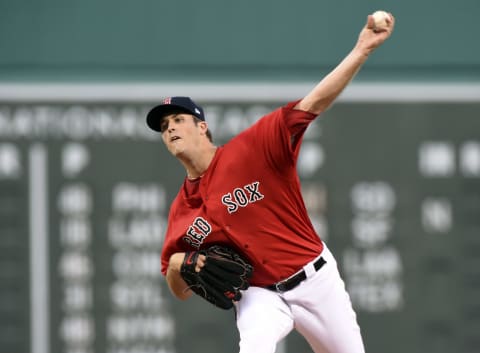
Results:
380 21
378 28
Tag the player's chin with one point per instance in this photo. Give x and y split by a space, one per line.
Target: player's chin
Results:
176 149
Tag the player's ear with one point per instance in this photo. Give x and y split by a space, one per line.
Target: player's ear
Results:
203 125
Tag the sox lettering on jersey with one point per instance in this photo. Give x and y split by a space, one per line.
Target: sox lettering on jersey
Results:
197 232
242 196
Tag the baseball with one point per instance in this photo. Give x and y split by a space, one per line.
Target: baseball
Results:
381 20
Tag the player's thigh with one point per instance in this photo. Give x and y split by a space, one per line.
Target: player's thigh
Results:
335 330
263 319
323 312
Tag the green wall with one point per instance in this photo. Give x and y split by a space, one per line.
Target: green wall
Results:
89 40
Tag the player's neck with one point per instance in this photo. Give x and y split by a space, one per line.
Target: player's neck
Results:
198 164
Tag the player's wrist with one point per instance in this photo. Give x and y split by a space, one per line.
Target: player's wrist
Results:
175 262
361 51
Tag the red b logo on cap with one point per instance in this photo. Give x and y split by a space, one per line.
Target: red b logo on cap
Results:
167 100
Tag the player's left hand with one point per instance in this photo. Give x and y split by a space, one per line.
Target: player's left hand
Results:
217 274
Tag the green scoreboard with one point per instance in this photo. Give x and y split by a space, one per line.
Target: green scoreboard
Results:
85 188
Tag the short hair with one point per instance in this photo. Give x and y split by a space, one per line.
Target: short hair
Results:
209 134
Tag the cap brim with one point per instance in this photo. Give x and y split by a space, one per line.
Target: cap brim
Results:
156 114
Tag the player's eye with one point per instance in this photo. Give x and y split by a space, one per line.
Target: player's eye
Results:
163 126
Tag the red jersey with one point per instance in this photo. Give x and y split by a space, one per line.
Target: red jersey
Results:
250 199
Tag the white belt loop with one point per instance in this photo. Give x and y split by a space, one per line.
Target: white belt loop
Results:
309 269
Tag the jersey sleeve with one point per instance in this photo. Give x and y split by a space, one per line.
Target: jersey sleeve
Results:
169 246
297 120
278 135
167 251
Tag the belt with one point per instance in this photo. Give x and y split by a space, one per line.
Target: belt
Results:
294 280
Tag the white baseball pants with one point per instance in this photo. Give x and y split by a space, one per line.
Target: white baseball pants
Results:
319 308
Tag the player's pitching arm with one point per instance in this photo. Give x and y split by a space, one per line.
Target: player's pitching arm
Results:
330 87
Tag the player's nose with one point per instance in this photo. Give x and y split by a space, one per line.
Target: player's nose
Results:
169 126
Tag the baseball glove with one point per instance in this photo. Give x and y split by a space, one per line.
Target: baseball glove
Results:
225 273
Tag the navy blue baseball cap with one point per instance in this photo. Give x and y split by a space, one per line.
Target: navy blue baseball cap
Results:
172 105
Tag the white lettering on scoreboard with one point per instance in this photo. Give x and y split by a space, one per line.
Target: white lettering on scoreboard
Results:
373 266
75 267
138 321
